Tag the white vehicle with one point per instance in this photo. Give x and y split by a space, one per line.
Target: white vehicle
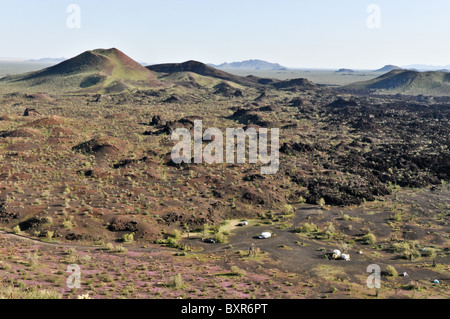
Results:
243 223
265 235
337 252
346 257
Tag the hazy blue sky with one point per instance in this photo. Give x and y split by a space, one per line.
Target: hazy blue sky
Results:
294 33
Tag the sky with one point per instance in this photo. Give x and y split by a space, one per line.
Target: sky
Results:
355 34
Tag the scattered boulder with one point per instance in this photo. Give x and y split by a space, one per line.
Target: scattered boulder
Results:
33 223
52 120
102 146
269 108
23 132
297 102
31 112
172 99
156 120
141 229
5 215
123 223
292 147
227 90
179 218
102 97
295 85
261 97
253 197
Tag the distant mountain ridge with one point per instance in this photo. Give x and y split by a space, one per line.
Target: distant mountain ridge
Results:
406 82
345 71
425 67
250 65
388 68
46 60
201 69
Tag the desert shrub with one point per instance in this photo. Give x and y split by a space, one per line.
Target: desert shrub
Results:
391 271
5 267
220 238
120 249
321 202
109 246
127 238
347 217
171 242
306 228
176 281
287 209
32 258
369 239
105 277
429 252
397 217
236 271
49 235
301 200
117 249
176 234
70 251
68 223
85 259
412 285
11 292
406 249
329 230
16 230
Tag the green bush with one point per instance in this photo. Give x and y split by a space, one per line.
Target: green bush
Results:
50 234
287 209
176 234
321 202
369 239
220 238
406 249
391 271
429 252
236 271
127 238
16 230
306 228
11 292
176 281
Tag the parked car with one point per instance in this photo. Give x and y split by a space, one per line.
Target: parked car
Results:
243 223
265 235
209 240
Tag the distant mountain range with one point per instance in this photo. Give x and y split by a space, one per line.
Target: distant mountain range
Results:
47 60
388 68
344 71
407 82
250 65
424 67
190 70
201 69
